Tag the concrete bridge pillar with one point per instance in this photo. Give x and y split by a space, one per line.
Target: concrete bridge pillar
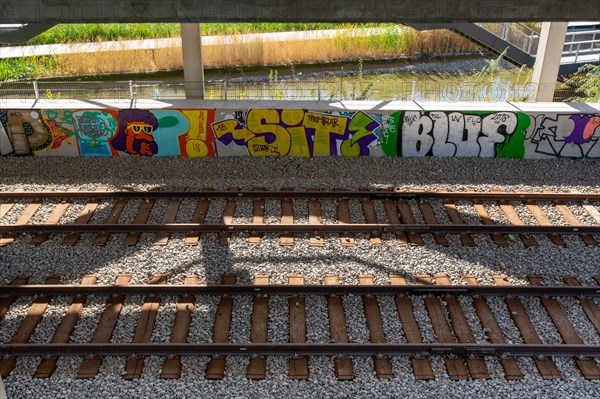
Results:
193 70
547 61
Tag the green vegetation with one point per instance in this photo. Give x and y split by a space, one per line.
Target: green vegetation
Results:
489 73
17 69
25 68
397 39
489 78
359 89
587 81
82 33
390 38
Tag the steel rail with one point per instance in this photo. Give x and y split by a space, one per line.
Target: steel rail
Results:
298 290
286 349
297 228
463 195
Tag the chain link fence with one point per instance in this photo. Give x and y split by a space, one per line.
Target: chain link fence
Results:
339 89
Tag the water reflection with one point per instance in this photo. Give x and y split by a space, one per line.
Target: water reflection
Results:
504 86
501 86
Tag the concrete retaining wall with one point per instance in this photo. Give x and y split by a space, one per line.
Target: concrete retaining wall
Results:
192 129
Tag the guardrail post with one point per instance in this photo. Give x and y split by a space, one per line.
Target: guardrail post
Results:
131 89
319 91
225 91
36 90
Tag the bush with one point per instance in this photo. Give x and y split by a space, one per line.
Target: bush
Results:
587 81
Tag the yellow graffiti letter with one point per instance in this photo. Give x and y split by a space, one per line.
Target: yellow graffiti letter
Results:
293 119
198 119
233 127
263 121
325 126
358 127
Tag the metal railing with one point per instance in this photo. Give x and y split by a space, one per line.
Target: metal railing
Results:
338 89
515 33
577 43
582 43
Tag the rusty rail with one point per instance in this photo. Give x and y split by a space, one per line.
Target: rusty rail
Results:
294 290
309 194
286 349
296 228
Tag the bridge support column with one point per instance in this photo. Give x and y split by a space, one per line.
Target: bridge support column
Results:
547 61
193 70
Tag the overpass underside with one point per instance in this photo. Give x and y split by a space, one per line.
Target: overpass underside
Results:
76 11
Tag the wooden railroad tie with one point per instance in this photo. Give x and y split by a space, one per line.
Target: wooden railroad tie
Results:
410 216
445 311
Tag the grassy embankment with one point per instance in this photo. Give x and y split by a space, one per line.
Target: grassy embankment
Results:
392 41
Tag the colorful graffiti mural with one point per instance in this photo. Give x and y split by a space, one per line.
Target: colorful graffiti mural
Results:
191 133
184 133
23 132
564 136
261 132
458 134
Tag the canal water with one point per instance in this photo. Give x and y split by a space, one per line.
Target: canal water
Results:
458 79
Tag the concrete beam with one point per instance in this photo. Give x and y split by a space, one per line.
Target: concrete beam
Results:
193 70
92 11
547 60
24 33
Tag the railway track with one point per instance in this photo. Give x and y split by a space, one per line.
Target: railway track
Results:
408 216
464 356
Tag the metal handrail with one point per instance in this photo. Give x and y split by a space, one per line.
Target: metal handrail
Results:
583 32
527 28
589 46
527 40
330 90
582 47
582 42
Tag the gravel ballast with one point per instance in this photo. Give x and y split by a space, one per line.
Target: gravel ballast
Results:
209 261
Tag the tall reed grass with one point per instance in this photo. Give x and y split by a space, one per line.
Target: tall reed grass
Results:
405 41
389 42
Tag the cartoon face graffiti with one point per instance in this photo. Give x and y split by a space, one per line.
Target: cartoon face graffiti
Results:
135 135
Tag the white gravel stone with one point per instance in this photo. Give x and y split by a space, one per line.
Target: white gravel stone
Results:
209 261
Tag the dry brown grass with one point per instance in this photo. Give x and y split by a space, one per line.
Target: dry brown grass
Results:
135 61
411 43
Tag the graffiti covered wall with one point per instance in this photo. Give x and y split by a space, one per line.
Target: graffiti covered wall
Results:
260 132
191 133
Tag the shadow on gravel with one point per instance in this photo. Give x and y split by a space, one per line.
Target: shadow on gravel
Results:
280 172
